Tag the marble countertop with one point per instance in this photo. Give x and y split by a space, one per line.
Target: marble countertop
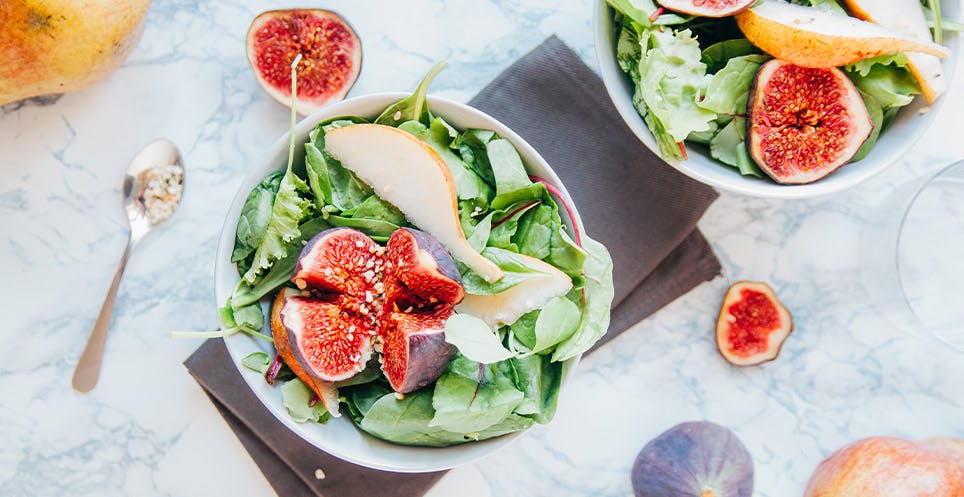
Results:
148 429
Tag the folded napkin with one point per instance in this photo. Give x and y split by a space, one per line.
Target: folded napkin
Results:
644 211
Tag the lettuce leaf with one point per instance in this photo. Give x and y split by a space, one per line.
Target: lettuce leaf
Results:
291 205
672 77
891 85
729 88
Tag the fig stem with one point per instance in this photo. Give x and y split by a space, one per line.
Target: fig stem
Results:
294 115
656 13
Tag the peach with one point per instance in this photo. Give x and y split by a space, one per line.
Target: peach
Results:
890 467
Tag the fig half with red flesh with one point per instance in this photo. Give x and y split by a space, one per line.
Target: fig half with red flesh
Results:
804 123
324 390
330 341
414 348
331 56
341 261
753 324
420 273
707 8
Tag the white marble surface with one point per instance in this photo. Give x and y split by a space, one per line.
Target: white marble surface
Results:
149 430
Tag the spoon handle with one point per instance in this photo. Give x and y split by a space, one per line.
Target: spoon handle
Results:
88 368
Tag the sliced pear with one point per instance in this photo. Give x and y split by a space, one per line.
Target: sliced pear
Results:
813 38
506 307
407 173
906 17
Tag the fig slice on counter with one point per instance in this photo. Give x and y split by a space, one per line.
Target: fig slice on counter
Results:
804 123
694 459
414 348
324 390
707 8
752 325
331 56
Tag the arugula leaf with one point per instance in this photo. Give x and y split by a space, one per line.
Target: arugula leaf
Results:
296 396
474 339
414 107
598 299
540 380
729 88
470 397
254 220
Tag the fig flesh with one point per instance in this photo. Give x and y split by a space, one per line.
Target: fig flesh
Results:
752 325
693 459
707 8
414 348
324 390
804 123
331 56
354 290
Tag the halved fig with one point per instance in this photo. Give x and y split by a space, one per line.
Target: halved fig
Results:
419 272
707 8
804 123
329 340
414 348
694 459
331 56
324 390
340 260
752 325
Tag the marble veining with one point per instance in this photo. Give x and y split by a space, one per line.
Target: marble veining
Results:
147 429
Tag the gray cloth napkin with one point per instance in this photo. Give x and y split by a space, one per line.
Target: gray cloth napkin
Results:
644 211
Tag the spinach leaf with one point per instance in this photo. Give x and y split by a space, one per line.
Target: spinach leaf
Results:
468 184
729 147
472 145
718 54
375 208
729 88
280 272
557 321
540 380
470 397
506 223
254 220
597 302
406 421
296 396
876 112
641 10
507 168
474 339
513 266
534 233
330 182
260 362
479 235
414 107
887 81
377 229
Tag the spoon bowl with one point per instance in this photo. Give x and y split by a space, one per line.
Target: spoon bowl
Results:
152 189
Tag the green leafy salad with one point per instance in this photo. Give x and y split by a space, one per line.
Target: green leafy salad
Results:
693 77
503 375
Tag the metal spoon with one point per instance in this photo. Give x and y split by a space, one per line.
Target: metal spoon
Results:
152 190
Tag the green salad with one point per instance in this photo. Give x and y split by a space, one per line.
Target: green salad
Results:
502 378
694 75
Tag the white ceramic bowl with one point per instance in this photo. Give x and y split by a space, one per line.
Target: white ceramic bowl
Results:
340 437
893 143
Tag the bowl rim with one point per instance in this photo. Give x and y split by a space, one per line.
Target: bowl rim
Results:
765 188
238 345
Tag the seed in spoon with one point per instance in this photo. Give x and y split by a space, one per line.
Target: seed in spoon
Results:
163 192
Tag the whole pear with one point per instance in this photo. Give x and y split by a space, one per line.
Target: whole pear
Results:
59 46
